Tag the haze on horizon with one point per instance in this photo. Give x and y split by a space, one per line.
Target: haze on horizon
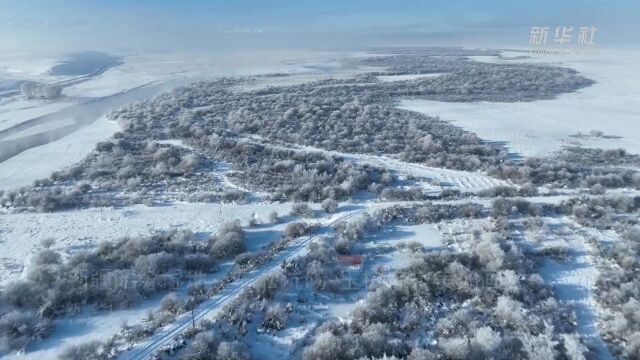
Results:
74 25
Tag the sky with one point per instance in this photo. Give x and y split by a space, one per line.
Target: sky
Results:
180 25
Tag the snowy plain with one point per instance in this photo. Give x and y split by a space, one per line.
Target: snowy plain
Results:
611 105
22 233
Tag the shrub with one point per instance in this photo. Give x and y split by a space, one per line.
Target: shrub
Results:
275 318
231 351
229 240
203 347
489 254
199 263
20 328
486 339
93 350
301 209
273 217
326 346
156 263
454 347
296 229
46 257
171 303
509 312
329 205
47 242
267 285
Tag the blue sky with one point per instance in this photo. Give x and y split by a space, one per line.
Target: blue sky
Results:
198 24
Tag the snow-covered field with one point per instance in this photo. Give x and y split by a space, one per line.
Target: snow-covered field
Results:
140 69
537 128
21 234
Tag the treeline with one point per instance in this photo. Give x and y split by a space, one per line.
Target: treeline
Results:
467 80
593 169
118 172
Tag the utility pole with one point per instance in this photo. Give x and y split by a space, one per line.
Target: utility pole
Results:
193 319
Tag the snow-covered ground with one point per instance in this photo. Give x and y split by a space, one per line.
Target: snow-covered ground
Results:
574 280
139 69
424 234
612 105
26 65
40 162
21 234
84 328
20 110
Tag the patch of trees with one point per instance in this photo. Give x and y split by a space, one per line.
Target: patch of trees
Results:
504 321
574 167
618 291
467 80
92 350
487 303
293 175
117 173
115 274
604 212
598 157
436 51
319 268
254 299
349 233
122 171
173 305
328 114
505 207
510 191
400 194
19 328
219 339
